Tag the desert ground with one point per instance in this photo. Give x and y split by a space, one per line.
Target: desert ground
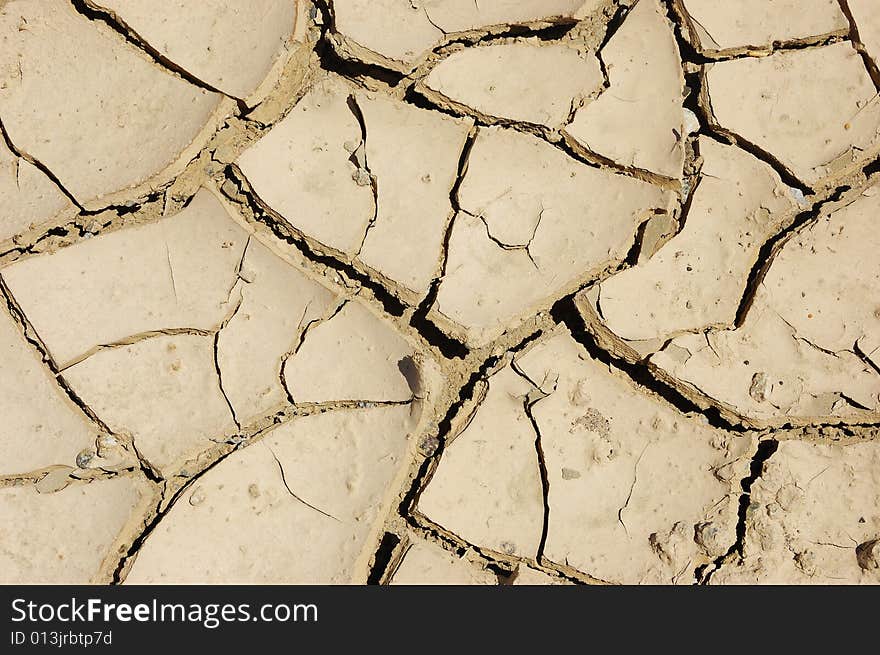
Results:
492 292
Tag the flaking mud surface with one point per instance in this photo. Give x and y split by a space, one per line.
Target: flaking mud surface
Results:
439 292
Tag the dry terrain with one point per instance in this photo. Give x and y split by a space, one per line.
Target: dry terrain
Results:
440 291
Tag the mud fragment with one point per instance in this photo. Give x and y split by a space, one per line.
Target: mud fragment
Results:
278 305
364 175
30 198
663 487
66 537
696 279
163 391
487 489
230 46
40 426
867 23
812 518
414 156
720 28
125 120
175 273
377 361
795 357
645 79
814 110
303 170
550 81
323 482
426 563
533 223
396 35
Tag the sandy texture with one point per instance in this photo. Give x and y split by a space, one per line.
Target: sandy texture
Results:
813 518
511 292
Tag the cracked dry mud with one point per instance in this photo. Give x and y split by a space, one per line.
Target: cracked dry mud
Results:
543 292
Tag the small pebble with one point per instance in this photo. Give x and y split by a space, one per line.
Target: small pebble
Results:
84 458
361 177
691 122
197 497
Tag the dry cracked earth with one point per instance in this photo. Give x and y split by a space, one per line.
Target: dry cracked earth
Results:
440 291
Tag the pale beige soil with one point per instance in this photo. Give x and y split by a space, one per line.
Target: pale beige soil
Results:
541 292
